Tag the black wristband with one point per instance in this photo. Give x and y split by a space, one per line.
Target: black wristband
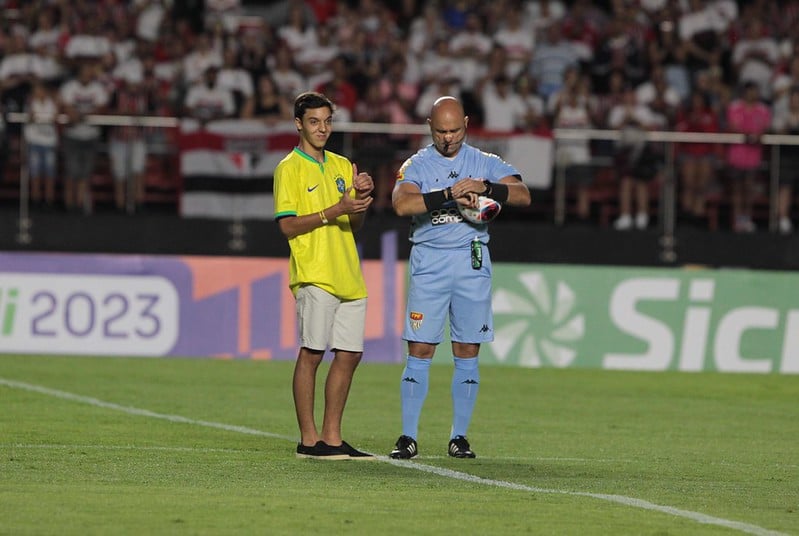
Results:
496 191
434 200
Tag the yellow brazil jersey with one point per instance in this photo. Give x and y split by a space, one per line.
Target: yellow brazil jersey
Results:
326 256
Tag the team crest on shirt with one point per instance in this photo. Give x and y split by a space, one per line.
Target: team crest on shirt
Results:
401 170
416 320
341 186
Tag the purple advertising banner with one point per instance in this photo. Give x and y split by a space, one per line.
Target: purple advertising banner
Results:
152 306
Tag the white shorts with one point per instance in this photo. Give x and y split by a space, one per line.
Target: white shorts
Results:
127 158
326 321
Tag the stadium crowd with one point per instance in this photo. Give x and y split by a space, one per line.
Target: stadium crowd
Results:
518 65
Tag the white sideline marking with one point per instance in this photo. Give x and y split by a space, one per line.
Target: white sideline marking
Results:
621 499
558 459
117 447
440 471
137 411
534 458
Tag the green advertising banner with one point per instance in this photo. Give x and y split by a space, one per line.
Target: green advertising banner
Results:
645 319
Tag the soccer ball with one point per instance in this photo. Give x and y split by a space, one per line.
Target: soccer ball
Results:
487 209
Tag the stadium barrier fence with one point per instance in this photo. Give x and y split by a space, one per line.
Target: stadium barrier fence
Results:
420 133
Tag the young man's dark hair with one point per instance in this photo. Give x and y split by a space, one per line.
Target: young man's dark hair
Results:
310 100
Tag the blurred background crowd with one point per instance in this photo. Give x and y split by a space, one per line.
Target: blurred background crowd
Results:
520 66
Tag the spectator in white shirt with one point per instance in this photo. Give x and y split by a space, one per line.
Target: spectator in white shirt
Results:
575 155
534 117
657 84
90 45
47 34
635 163
131 68
16 73
298 33
518 40
151 15
314 59
755 57
783 84
700 32
196 62
437 63
571 81
238 80
81 96
45 64
544 13
41 142
445 84
470 48
426 30
503 110
207 101
223 12
288 79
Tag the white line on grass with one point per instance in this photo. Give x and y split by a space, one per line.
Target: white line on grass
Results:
137 411
621 499
537 459
558 459
440 471
23 446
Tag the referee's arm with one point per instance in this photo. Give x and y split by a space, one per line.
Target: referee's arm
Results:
518 192
407 200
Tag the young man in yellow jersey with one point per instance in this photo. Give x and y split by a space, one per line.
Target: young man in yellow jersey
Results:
320 199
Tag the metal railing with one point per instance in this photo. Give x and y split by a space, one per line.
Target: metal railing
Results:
24 222
668 182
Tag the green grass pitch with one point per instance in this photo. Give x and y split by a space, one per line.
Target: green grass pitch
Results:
183 446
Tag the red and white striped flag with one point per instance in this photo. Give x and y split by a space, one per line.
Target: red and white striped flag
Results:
227 168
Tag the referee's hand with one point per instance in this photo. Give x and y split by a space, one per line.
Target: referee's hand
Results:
468 185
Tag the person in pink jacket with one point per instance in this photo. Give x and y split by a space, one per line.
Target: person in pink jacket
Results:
749 116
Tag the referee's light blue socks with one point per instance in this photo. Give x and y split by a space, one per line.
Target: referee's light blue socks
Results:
465 384
413 391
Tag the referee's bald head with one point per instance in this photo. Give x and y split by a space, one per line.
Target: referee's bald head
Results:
446 105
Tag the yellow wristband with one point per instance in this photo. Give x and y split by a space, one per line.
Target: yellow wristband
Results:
323 217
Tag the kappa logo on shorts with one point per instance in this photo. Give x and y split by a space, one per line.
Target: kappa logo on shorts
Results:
416 320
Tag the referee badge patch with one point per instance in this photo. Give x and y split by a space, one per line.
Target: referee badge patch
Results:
416 320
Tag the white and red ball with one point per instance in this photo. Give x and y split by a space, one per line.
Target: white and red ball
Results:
487 209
